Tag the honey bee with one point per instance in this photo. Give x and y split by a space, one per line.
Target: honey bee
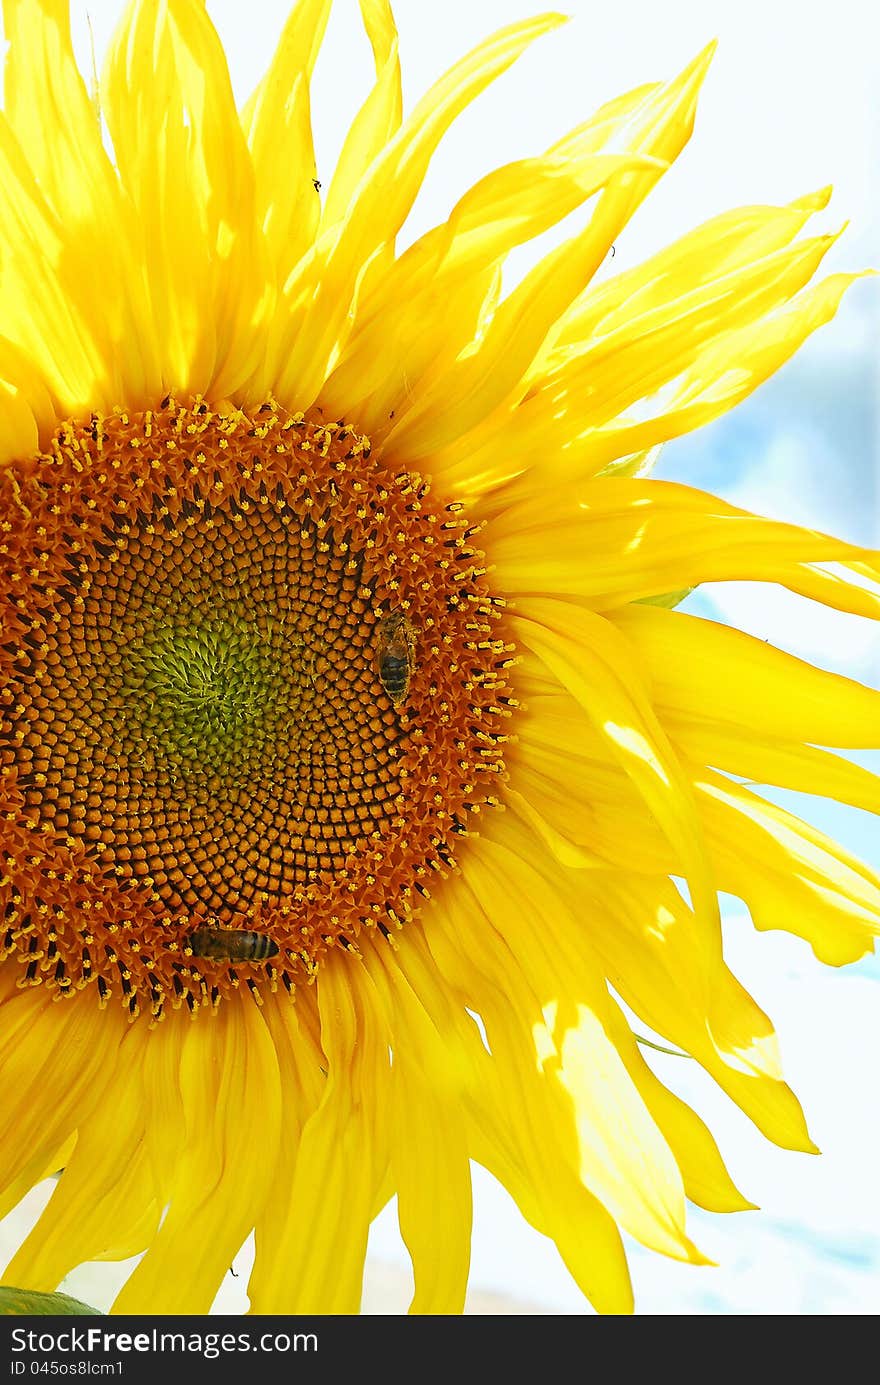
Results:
395 656
231 945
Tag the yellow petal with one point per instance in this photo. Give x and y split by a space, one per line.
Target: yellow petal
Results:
548 422
513 1111
305 345
599 671
709 672
104 1206
565 847
33 1172
508 1105
429 1153
622 1157
790 875
44 303
26 411
53 118
704 1175
183 161
644 933
443 280
303 1071
378 119
651 953
277 122
725 372
614 541
572 788
759 760
737 239
329 1201
55 1064
737 703
630 358
482 381
231 1103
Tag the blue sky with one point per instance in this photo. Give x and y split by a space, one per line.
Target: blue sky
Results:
788 107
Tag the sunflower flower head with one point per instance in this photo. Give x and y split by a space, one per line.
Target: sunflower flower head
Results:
351 740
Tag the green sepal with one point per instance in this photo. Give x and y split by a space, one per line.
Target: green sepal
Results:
668 600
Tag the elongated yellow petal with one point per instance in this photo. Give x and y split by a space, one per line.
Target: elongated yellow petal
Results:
549 422
378 120
303 1072
231 1102
378 20
429 1151
104 1206
305 346
630 360
617 540
481 382
183 161
47 105
26 411
566 850
709 672
53 119
277 122
443 279
513 1112
704 1175
599 671
739 704
44 303
340 1163
647 939
623 1158
760 760
790 875
54 1067
593 814
511 1117
571 787
432 1177
736 240
161 1092
725 372
643 932
33 1172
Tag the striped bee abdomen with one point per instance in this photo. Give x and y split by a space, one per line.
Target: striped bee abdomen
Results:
395 657
232 945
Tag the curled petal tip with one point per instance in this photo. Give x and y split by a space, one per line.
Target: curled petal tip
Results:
555 18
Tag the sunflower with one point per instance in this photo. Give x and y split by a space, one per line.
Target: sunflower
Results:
356 760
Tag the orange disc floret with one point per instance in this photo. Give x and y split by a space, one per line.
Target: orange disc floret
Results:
252 684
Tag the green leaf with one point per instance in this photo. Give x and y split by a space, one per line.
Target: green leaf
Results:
25 1302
